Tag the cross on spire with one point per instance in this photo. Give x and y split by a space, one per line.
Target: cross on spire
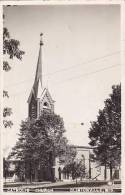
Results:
41 41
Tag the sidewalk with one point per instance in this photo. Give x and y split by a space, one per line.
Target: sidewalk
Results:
61 184
37 184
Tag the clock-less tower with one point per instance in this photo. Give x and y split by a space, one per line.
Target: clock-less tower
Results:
39 99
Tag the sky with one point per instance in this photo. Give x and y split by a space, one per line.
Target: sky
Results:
80 59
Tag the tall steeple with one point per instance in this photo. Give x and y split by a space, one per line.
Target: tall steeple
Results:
39 99
38 77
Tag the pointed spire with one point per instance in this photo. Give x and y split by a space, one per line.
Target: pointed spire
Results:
38 76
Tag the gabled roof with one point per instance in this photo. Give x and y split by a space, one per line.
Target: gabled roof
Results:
41 94
46 92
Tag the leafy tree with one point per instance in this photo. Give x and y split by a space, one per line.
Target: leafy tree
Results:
76 169
69 154
105 133
5 168
40 141
20 170
10 48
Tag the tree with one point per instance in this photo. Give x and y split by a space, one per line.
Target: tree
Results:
105 133
76 169
20 170
5 168
68 154
40 141
10 48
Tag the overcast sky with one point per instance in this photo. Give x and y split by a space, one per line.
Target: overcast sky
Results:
81 62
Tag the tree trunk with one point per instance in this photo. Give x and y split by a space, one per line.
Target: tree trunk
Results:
30 173
105 172
35 174
110 171
24 170
5 177
89 169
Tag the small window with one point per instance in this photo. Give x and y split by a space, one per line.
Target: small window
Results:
45 104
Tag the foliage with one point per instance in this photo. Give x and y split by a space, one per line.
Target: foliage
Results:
20 170
5 168
105 133
40 141
7 112
69 154
76 169
11 48
5 94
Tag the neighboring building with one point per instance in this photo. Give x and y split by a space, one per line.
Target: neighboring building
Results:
10 167
93 169
82 153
